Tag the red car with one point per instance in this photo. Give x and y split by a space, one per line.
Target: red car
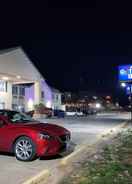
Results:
27 138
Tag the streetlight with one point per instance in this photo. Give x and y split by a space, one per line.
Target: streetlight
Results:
128 88
98 105
123 84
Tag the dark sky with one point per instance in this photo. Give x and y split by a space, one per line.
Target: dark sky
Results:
75 46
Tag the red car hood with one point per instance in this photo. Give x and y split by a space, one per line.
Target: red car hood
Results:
52 129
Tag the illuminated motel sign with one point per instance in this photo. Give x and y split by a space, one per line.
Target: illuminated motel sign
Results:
125 73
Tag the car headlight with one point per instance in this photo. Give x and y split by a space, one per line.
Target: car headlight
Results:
44 136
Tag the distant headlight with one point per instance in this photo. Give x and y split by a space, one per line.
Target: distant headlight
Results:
44 136
98 105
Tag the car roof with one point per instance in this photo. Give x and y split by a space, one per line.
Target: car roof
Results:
5 110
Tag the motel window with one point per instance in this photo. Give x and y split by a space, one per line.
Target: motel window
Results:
14 106
53 96
56 97
22 91
2 105
14 90
42 94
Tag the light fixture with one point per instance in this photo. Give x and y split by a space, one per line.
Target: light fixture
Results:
98 105
123 84
5 78
128 88
30 104
18 77
48 104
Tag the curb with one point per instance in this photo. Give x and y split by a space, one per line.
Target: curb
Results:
105 133
68 158
38 178
65 160
43 175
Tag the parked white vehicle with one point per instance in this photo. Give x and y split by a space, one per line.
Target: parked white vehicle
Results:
74 113
70 113
79 113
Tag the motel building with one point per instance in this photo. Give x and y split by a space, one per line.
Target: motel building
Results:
21 84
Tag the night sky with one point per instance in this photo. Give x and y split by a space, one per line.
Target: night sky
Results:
75 46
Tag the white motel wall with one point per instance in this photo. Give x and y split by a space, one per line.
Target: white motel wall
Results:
21 84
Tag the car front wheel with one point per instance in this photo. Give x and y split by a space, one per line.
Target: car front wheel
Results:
24 149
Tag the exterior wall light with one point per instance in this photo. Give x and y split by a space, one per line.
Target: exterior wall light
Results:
5 78
18 77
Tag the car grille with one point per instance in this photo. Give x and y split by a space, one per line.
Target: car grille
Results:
63 148
64 138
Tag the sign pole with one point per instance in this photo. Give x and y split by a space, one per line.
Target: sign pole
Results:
125 75
131 99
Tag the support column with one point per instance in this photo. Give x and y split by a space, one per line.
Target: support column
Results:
8 100
37 92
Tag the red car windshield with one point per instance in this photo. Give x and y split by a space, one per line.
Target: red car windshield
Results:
16 117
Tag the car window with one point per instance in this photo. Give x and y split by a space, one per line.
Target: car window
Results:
1 113
16 117
4 113
20 117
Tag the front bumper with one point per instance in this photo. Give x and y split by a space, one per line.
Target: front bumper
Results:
53 147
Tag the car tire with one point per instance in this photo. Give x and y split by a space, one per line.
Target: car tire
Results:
24 149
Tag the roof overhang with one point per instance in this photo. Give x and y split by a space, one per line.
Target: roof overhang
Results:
15 66
15 79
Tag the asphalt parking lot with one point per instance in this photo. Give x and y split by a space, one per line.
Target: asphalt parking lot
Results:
83 129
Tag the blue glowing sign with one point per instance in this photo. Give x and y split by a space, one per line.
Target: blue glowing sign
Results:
125 73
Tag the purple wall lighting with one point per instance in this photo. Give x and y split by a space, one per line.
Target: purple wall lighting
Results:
47 93
29 93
